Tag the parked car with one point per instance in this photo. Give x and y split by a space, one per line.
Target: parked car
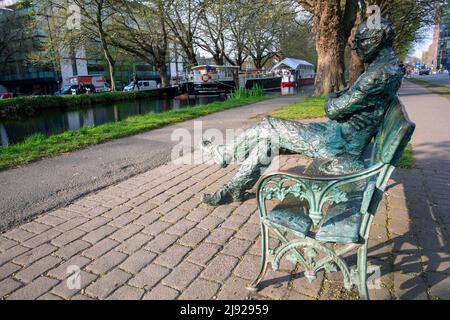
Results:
76 89
143 85
424 71
6 95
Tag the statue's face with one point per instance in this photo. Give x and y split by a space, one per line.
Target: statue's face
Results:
367 43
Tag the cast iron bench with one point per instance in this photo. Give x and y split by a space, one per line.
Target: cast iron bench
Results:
330 216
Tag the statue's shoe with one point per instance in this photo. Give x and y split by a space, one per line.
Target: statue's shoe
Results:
222 196
214 152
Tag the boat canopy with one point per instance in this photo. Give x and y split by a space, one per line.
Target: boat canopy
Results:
206 66
291 63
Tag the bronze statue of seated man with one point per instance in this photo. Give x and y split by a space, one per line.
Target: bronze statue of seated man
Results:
355 116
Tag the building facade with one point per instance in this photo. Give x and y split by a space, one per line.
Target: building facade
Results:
443 45
21 76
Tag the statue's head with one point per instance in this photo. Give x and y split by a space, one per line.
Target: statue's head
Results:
370 39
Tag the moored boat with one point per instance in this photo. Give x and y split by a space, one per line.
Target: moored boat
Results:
215 79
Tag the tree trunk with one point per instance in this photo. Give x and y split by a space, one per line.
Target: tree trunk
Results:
112 66
162 69
330 47
356 67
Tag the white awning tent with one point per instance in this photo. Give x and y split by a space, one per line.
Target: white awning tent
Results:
291 63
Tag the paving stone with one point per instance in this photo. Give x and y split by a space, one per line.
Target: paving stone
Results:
220 268
148 277
203 253
35 254
49 296
181 227
18 235
99 234
198 214
67 288
223 211
106 263
409 287
161 292
8 285
380 294
439 285
161 243
147 219
72 249
234 288
71 224
219 236
126 232
172 256
194 237
435 261
124 219
174 215
210 223
116 212
34 290
156 228
248 268
50 220
100 248
8 269
182 276
134 243
62 271
301 284
134 202
68 237
234 222
249 232
106 284
137 261
127 293
6 243
81 297
407 263
293 295
275 285
11 253
200 289
95 212
37 269
145 207
93 224
42 238
236 247
35 227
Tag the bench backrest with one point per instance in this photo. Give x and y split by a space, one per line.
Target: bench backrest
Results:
393 136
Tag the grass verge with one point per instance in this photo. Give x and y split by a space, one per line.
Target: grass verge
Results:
313 107
39 146
433 86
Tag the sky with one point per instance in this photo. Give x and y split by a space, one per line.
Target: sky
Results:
423 45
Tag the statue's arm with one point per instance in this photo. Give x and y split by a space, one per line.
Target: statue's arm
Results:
354 99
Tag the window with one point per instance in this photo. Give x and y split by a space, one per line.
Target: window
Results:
145 84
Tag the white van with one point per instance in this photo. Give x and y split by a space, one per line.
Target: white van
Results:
144 85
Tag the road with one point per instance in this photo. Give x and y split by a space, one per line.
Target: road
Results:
443 79
54 182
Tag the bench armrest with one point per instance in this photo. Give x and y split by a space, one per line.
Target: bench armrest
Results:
316 190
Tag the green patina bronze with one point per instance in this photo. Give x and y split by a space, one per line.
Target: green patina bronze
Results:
329 208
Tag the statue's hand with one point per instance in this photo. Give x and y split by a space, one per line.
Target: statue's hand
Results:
359 121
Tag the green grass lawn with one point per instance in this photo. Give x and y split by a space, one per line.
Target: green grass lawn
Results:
39 146
308 108
433 86
313 107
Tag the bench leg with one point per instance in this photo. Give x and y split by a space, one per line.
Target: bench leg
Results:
264 259
362 273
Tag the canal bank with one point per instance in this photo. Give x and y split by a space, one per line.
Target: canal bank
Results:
50 183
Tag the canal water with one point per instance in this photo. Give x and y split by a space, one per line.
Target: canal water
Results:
49 122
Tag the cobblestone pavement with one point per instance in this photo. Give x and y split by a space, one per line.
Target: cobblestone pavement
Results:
150 238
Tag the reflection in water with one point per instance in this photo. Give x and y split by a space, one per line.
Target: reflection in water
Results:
50 122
